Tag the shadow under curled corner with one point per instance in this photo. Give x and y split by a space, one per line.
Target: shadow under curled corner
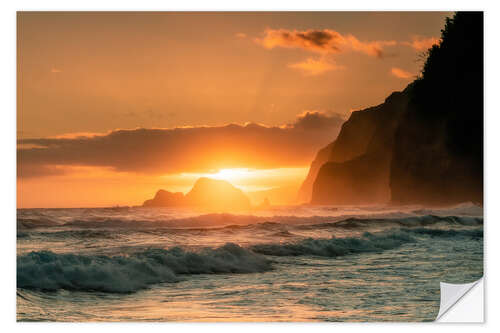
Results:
462 302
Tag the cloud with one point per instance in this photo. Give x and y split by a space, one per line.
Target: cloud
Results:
241 35
33 170
313 120
315 66
55 70
371 48
321 41
76 135
401 73
421 43
194 149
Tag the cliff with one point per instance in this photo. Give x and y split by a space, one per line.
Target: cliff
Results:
421 146
359 164
352 141
438 155
305 190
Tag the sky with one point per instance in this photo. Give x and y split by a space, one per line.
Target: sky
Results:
114 106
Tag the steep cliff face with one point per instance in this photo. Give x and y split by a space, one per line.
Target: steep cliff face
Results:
421 146
438 155
358 168
352 141
305 191
356 134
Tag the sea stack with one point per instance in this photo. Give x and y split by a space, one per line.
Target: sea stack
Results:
207 193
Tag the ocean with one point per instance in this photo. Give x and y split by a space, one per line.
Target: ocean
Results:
290 263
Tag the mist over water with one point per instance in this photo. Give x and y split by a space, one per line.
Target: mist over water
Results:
296 263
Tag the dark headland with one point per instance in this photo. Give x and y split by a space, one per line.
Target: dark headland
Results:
423 145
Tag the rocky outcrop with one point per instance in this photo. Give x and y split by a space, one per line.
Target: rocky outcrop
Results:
206 193
217 194
165 199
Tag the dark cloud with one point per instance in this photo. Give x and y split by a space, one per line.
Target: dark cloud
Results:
322 41
316 120
193 149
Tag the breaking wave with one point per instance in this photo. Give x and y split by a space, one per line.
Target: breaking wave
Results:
235 222
366 243
46 270
335 247
472 233
412 221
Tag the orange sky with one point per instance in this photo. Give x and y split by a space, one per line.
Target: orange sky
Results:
105 72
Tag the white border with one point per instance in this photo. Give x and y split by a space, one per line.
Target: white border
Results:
8 135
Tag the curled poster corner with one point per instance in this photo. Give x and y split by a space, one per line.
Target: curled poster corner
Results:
461 302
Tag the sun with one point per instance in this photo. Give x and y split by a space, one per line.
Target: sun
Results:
231 174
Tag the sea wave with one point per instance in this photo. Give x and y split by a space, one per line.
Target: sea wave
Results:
412 221
450 233
282 226
234 222
36 222
366 243
335 247
45 270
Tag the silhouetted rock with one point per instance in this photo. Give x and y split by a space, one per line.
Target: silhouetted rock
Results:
207 193
217 195
165 199
265 204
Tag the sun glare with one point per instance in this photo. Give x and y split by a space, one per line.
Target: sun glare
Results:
246 179
231 174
